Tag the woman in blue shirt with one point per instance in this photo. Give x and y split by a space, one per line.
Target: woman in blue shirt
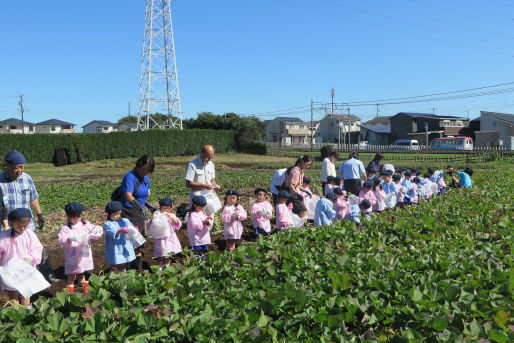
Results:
135 188
465 177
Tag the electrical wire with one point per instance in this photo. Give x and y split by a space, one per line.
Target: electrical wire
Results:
411 13
378 102
382 27
396 19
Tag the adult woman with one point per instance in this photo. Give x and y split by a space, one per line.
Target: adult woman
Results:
135 188
294 184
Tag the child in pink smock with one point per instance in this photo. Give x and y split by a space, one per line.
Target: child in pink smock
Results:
415 186
367 193
262 211
162 227
329 185
380 195
19 243
284 218
199 226
233 216
342 207
76 238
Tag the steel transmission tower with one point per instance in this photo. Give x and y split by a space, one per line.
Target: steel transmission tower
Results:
158 88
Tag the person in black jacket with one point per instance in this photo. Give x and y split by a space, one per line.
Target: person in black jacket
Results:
3 210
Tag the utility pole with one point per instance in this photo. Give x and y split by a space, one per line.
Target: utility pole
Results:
378 110
426 134
332 93
433 110
349 127
312 125
129 108
22 110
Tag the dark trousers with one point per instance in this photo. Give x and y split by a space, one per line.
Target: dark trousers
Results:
323 187
352 186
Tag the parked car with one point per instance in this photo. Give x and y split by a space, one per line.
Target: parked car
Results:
405 144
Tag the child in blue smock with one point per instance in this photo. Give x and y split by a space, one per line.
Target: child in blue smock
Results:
357 210
324 212
118 250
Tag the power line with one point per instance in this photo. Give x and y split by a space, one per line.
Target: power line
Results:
411 13
462 13
433 94
382 27
474 38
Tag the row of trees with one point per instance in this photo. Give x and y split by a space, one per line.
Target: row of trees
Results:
247 130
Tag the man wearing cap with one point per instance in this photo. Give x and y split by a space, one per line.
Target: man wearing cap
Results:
201 174
328 168
19 192
351 171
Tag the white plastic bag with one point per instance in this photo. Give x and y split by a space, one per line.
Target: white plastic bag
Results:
135 237
298 222
23 277
85 244
353 200
390 200
160 227
310 204
213 202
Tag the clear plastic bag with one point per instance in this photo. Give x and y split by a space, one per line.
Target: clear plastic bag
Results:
160 227
390 200
353 200
23 277
298 222
135 237
213 202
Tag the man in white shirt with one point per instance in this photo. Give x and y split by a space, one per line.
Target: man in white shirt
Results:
201 174
328 168
277 181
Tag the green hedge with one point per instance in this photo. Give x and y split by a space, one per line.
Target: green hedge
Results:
98 146
38 147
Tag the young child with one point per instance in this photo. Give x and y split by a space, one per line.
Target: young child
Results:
380 196
284 218
415 191
325 210
166 221
76 238
18 242
329 185
441 182
233 215
262 212
407 185
305 185
387 184
199 226
357 210
118 250
397 179
341 206
367 193
371 173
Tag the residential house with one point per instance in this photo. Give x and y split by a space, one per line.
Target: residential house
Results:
406 125
335 128
55 126
95 126
288 130
375 134
13 125
127 127
496 130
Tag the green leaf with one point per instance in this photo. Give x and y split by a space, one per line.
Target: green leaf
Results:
498 336
263 320
438 323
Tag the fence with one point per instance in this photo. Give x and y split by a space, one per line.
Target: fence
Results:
407 156
380 148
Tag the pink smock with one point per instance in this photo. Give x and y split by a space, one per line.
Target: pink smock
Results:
415 199
77 255
370 196
342 207
233 221
199 234
380 196
162 247
19 246
262 212
284 217
400 195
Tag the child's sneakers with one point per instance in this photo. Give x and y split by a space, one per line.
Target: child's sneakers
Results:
85 286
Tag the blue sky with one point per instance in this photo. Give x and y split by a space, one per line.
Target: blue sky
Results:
80 60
